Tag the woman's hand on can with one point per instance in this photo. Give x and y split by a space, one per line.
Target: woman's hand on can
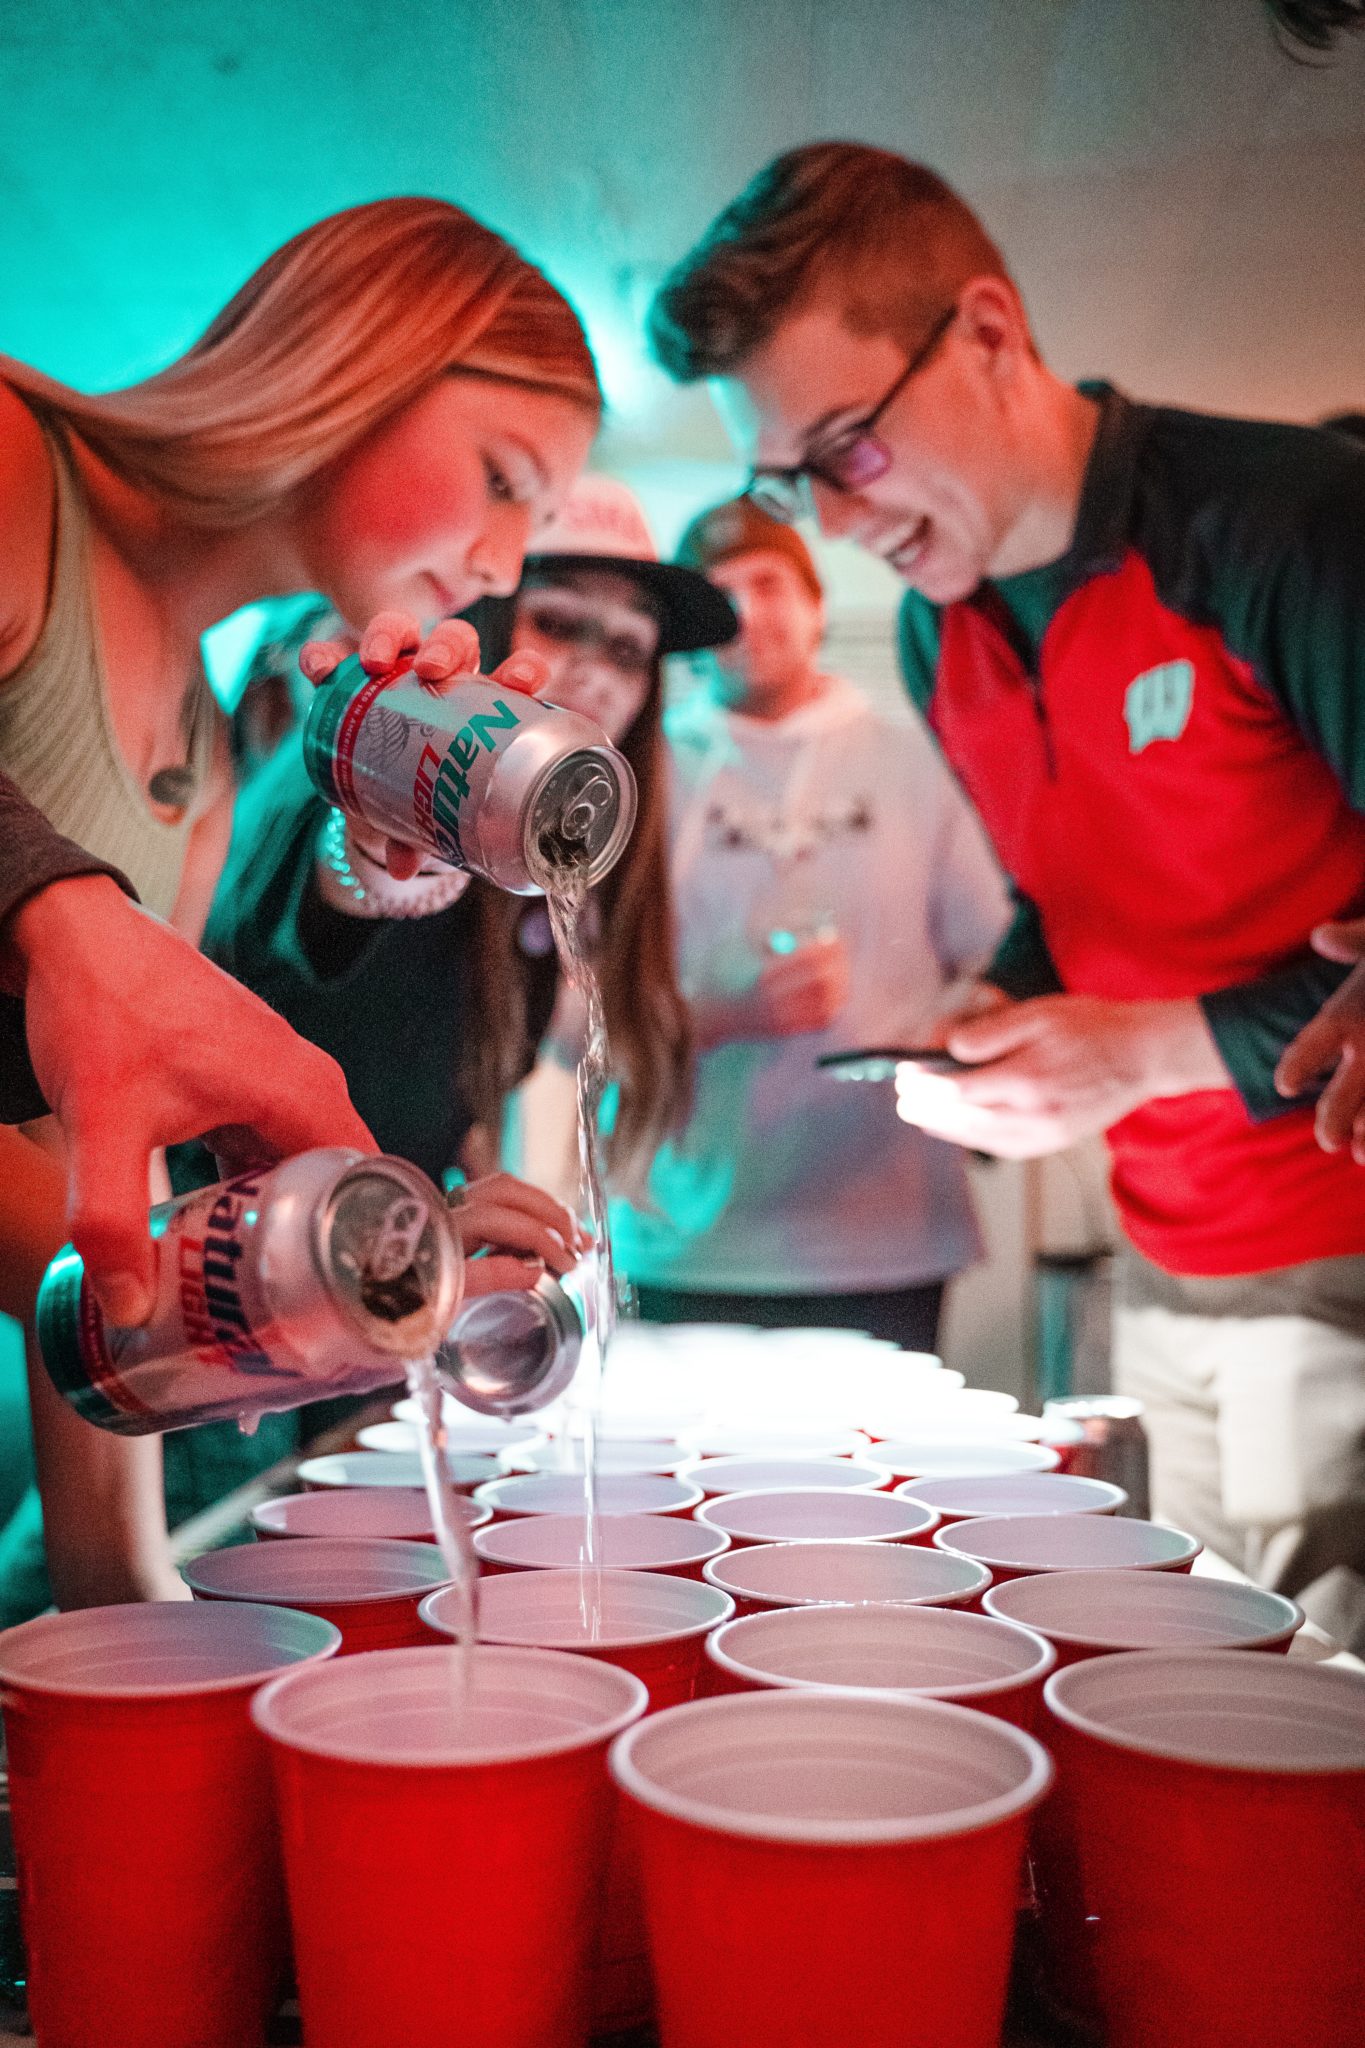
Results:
521 1231
439 660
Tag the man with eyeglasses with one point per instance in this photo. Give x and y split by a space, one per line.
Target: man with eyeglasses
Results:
828 882
1139 637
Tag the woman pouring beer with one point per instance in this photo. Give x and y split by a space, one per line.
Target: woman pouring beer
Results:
383 413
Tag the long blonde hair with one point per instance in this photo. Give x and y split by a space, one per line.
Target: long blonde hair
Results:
344 324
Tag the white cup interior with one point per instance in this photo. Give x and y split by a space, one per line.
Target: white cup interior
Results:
399 1513
393 1468
947 1457
755 1475
1207 1707
818 1574
1056 1543
611 1454
584 1607
157 1649
1127 1610
762 1440
627 1542
829 1767
1016 1493
465 1431
422 1707
336 1569
932 1650
816 1514
561 1493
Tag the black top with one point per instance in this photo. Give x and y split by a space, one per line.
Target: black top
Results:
390 999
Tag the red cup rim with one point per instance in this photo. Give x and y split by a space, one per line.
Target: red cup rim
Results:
705 1546
423 1560
369 1464
1099 1495
1228 1675
492 1492
28 1635
667 1631
708 1510
999 1598
735 1561
1044 1653
902 1454
373 1668
399 1498
873 1476
777 1717
953 1535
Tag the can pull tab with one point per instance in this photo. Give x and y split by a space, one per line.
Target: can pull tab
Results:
393 1248
589 795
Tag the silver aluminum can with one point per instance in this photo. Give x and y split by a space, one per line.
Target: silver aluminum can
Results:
495 782
508 1354
322 1275
1112 1446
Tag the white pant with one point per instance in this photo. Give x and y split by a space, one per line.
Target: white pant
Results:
1257 1428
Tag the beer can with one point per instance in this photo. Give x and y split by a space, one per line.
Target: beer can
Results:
1112 1443
495 782
508 1354
322 1275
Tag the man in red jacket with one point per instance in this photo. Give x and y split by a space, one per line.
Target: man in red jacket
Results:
1139 637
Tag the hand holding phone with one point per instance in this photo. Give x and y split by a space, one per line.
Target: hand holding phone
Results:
879 1062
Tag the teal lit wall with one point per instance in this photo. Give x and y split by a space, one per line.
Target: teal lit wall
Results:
1182 202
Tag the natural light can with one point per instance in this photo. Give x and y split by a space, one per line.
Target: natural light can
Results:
488 779
322 1275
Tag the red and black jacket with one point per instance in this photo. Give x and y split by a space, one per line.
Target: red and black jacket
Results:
1164 733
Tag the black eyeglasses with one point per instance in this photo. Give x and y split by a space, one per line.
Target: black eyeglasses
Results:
857 458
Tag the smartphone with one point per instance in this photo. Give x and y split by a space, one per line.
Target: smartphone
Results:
879 1062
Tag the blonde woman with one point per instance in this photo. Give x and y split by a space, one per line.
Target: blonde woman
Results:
383 413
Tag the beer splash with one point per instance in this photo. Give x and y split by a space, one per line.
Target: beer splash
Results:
566 898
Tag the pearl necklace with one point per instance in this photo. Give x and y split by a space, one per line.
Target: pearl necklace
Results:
351 882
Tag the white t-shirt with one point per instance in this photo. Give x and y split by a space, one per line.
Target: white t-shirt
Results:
784 1180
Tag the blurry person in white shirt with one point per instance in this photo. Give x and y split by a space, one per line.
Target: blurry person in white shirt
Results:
829 882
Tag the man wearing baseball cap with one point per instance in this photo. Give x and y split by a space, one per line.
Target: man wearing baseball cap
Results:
828 882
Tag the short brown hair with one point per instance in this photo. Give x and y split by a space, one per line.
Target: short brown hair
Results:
896 237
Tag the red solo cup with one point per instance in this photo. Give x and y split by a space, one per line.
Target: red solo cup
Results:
760 1576
399 1513
759 1440
934 1405
761 1475
445 1850
1014 1493
561 1493
637 1543
611 1454
645 1622
822 1866
1090 1614
368 1589
467 1434
149 1879
393 1468
970 1659
947 1457
1062 1434
1015 1546
1219 1808
816 1514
